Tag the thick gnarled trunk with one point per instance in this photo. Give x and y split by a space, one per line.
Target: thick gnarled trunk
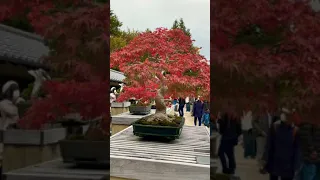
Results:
159 100
161 108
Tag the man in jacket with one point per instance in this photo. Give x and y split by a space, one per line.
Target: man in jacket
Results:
182 102
197 111
229 129
282 155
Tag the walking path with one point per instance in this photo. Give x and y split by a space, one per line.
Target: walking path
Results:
247 169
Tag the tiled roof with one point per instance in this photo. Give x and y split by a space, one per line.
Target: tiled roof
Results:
116 76
21 47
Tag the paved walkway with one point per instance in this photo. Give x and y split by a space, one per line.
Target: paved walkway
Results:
189 120
247 169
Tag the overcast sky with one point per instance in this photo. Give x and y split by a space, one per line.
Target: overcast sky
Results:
143 14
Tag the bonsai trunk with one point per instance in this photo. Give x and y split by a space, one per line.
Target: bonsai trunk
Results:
161 108
159 100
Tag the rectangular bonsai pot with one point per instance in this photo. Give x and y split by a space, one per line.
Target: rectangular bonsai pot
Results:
158 131
140 110
32 137
85 152
120 104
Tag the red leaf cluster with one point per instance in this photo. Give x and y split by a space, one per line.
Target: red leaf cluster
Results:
265 52
139 93
170 51
76 32
87 98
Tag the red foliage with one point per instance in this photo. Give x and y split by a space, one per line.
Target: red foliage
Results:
68 97
142 93
265 52
187 72
77 35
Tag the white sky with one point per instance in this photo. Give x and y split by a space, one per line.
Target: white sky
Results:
143 14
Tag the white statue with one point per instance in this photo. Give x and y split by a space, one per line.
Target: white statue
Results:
113 96
121 87
40 76
8 105
114 93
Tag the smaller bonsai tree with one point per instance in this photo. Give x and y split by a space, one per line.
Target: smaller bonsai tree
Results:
76 33
161 64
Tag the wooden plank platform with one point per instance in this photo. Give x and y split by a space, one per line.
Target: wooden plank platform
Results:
56 170
136 158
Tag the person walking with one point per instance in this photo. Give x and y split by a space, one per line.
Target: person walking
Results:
192 101
206 104
206 119
230 130
249 143
261 125
187 104
197 111
282 155
182 103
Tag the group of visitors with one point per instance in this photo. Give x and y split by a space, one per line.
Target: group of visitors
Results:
283 147
199 109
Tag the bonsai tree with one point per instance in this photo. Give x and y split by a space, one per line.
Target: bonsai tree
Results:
265 52
160 64
76 33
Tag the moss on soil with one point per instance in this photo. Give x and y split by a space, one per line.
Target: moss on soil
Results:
173 121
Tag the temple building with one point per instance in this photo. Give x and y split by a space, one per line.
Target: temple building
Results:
21 51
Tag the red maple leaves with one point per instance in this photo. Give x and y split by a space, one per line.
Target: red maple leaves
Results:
171 51
266 49
88 98
77 35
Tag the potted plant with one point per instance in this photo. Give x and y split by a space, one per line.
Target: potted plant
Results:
140 108
166 64
170 129
90 148
83 86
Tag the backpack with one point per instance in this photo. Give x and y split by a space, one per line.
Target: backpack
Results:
206 119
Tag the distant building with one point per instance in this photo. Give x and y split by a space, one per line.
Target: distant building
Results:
116 77
21 51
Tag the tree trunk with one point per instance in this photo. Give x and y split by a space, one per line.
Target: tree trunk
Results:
159 100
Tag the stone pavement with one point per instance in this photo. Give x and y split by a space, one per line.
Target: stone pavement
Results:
247 169
188 118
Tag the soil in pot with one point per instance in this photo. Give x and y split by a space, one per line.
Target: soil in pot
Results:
172 120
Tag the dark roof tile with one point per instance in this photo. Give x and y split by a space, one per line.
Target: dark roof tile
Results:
23 46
